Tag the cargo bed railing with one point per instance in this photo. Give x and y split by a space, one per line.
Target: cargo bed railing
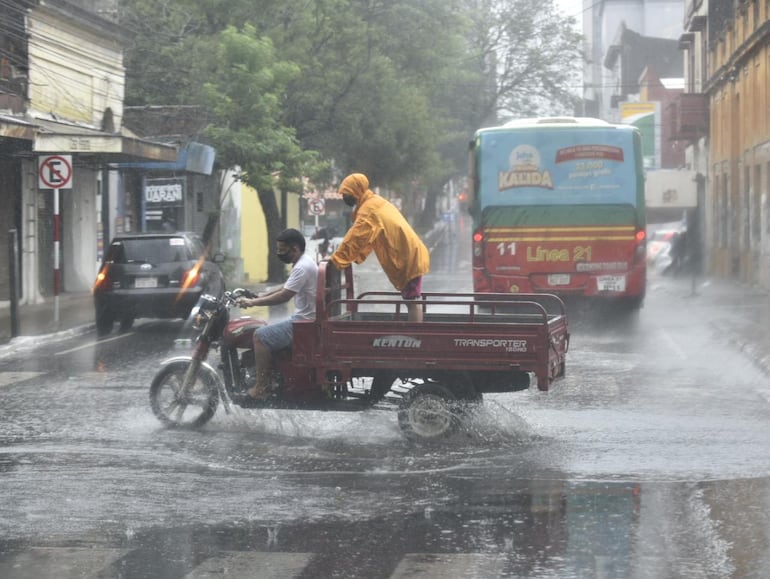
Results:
338 301
495 302
369 304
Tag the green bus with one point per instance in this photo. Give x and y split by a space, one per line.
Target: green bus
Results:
558 207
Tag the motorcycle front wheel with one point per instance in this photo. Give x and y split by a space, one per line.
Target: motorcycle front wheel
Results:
179 407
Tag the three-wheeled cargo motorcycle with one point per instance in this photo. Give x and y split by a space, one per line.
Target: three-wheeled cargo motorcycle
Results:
362 348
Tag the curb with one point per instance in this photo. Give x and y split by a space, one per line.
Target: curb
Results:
30 342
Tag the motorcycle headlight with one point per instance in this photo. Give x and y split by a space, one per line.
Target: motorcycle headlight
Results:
203 310
199 320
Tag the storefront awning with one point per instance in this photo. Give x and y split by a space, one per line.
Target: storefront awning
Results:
14 128
64 138
16 137
192 158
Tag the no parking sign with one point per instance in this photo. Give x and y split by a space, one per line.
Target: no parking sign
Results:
316 207
55 172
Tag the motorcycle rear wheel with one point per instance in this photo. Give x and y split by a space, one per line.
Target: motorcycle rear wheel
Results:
429 412
179 410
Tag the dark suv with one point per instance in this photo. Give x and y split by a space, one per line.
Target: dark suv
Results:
153 275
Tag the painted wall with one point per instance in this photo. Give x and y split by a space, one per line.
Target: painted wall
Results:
253 236
30 250
658 18
293 211
79 222
601 20
79 79
255 246
670 188
75 73
739 171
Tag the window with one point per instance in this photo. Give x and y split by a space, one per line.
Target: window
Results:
756 14
155 250
767 197
746 208
756 212
720 210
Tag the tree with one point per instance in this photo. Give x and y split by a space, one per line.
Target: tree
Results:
158 66
396 88
242 84
528 55
244 93
393 88
370 73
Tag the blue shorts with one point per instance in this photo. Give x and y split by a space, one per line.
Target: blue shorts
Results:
276 336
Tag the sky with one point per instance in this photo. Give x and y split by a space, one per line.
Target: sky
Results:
571 8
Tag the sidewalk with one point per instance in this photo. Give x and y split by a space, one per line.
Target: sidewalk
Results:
76 314
739 313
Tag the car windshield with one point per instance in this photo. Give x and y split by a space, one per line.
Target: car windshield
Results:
149 249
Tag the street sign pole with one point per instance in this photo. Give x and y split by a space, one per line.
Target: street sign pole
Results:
56 239
316 207
55 172
13 261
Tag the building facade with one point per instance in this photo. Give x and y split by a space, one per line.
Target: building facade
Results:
689 122
604 23
61 97
737 87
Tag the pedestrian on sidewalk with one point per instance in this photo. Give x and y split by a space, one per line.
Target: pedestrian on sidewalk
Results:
378 225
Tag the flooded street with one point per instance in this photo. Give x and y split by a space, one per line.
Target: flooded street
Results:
651 459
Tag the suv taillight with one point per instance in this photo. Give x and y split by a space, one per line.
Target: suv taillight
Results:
103 282
191 276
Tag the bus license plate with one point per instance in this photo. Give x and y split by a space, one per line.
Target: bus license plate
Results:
146 282
558 279
611 283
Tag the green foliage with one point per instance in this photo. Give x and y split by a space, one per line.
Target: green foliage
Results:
529 55
243 90
393 88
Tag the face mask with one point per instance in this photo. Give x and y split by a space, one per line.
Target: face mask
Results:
284 257
349 200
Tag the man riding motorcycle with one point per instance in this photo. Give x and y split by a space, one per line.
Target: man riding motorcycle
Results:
301 285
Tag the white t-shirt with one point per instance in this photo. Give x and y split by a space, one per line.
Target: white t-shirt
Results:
303 281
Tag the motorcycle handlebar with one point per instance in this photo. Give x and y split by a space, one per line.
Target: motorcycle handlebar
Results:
242 292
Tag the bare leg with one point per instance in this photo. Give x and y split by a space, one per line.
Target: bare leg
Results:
264 359
414 309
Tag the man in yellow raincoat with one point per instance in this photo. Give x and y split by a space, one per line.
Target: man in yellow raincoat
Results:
378 225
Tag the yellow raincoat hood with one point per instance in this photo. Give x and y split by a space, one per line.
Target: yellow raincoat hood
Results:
356 185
